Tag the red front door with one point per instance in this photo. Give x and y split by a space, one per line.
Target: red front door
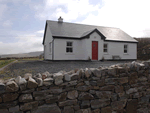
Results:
94 50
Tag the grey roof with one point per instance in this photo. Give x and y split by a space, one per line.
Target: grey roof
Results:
73 30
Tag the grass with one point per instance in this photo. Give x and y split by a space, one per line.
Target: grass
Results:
30 59
5 62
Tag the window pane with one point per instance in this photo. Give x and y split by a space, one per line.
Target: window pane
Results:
69 43
67 49
71 50
105 45
105 50
125 46
125 51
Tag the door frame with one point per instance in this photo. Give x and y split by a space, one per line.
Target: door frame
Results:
92 51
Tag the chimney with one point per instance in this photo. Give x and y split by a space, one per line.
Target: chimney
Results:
60 20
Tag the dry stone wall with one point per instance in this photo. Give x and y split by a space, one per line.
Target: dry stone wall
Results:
116 89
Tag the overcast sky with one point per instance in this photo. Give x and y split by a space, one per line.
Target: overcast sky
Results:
22 22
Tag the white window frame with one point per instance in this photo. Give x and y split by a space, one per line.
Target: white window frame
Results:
105 48
69 46
125 49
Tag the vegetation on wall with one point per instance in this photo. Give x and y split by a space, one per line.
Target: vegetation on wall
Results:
143 48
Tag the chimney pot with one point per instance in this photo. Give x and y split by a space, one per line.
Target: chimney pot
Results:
60 20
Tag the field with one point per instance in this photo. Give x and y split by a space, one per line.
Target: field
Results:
5 62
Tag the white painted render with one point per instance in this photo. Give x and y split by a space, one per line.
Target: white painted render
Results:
48 39
82 49
117 48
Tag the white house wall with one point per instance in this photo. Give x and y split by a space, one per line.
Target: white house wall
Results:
60 50
94 37
117 48
48 39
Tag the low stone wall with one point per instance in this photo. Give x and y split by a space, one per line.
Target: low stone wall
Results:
116 89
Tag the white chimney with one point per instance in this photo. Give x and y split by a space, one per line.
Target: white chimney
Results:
60 20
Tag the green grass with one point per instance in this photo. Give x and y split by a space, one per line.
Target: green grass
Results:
5 62
30 59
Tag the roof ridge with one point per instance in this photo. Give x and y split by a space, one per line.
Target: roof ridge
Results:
84 24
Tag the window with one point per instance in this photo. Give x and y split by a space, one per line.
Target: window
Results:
69 47
50 48
125 48
105 48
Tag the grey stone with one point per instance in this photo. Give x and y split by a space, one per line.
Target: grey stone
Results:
85 104
62 97
10 97
76 107
55 90
29 106
131 90
68 109
118 105
4 111
99 103
142 79
84 111
48 81
83 88
31 83
97 72
68 103
42 93
87 83
2 88
52 99
85 96
88 73
103 94
72 94
38 75
25 98
39 81
27 75
20 80
114 97
11 86
73 76
14 109
27 91
72 83
58 77
8 104
93 83
92 91
53 108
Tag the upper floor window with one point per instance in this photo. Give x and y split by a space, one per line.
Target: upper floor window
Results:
105 48
69 47
125 48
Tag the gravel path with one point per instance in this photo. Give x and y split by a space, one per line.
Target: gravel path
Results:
20 68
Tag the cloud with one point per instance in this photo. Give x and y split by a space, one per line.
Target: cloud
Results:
7 23
68 9
25 43
3 9
129 15
40 31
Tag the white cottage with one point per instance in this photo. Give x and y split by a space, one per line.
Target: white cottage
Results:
71 41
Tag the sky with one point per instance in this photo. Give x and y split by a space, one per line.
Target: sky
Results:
22 22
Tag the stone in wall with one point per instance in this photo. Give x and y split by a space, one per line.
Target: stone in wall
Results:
10 97
72 94
99 103
11 86
31 83
52 108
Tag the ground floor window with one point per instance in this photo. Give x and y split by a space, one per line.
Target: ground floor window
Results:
105 48
125 48
69 47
